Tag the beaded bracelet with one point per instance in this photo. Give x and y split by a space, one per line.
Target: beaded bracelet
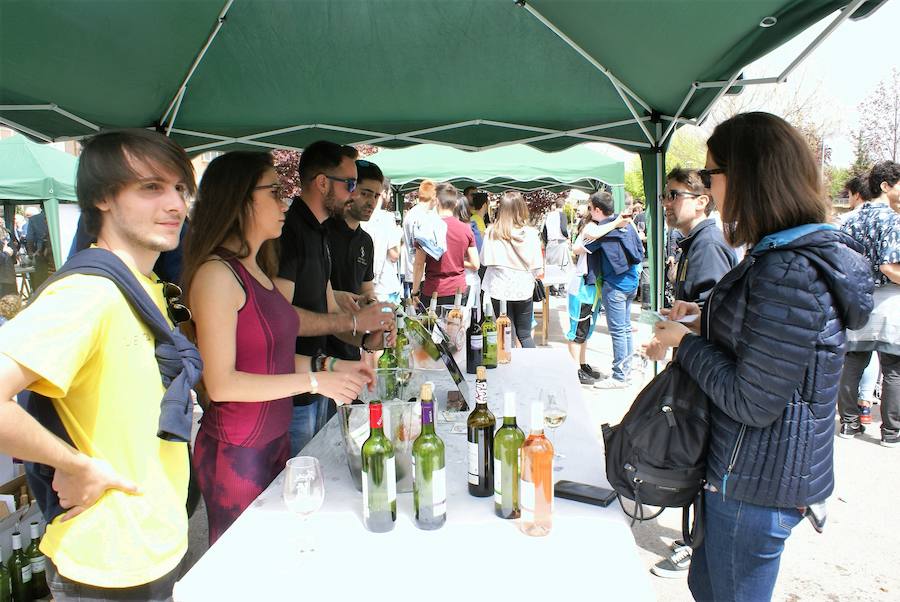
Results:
332 361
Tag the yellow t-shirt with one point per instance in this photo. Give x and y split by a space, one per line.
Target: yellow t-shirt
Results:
96 361
478 221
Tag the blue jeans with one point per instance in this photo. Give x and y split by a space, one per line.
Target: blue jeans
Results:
306 422
617 305
869 379
738 559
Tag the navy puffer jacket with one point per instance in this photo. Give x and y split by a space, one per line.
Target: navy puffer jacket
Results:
770 358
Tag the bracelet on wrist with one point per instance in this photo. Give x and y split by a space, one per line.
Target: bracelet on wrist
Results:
313 363
331 362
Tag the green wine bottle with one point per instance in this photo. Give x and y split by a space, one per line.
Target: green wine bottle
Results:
38 564
387 363
507 441
401 345
5 584
379 476
19 572
489 332
480 429
429 472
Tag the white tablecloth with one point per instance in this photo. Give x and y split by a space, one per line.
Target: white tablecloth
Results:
590 552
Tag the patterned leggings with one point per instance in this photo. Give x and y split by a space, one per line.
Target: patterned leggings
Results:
231 476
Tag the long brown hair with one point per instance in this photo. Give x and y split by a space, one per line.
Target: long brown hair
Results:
773 180
223 210
512 214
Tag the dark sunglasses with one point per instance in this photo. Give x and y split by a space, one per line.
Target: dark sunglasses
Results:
178 312
707 174
350 183
671 195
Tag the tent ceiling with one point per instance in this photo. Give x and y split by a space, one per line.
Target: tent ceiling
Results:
222 74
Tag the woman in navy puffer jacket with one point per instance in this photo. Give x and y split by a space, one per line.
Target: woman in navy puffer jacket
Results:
769 352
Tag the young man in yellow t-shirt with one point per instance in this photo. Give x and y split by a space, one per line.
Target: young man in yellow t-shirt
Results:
123 489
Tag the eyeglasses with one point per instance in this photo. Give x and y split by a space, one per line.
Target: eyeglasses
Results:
277 192
707 174
349 182
178 312
671 195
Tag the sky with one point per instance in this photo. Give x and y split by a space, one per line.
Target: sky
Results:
842 71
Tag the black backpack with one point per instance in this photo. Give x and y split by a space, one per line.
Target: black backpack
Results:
657 454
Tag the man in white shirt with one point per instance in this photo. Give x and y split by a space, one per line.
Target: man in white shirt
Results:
386 235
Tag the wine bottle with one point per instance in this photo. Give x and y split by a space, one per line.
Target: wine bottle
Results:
429 472
474 344
5 584
379 476
536 481
480 430
432 311
489 332
507 441
387 364
455 321
504 335
19 571
38 564
401 344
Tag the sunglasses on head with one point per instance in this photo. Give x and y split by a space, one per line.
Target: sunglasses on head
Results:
178 312
707 174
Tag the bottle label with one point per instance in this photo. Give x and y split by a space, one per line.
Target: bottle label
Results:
37 564
439 491
436 336
491 338
391 476
365 485
481 391
498 481
526 500
476 342
507 339
473 461
26 573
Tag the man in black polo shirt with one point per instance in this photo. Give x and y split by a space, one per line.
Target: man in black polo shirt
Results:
327 177
352 248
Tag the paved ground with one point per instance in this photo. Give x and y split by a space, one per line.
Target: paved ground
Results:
855 559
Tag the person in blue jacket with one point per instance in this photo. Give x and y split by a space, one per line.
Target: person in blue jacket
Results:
767 349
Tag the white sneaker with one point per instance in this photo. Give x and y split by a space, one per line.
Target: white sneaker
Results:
675 566
611 383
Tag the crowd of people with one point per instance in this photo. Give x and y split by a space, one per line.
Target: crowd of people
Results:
775 312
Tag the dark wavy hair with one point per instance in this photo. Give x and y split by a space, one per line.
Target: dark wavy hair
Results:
773 179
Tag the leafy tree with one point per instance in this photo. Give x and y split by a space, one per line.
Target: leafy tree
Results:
834 178
880 119
862 155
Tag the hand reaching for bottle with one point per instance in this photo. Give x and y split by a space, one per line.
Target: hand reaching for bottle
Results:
342 387
359 367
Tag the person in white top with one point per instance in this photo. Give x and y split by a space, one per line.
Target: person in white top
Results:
511 251
386 236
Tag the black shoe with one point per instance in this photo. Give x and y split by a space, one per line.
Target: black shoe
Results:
586 368
890 440
850 430
585 378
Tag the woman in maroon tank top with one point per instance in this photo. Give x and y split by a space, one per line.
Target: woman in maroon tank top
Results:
246 330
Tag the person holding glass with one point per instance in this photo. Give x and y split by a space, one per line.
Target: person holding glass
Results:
767 350
511 252
246 330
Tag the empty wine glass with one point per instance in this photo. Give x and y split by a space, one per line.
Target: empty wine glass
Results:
556 409
303 493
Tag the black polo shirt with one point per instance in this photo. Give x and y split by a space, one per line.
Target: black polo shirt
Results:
351 265
305 259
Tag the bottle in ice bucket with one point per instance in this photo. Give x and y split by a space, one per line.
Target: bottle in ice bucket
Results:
474 343
429 472
432 312
19 572
379 476
480 431
536 482
507 441
38 564
489 332
504 335
387 366
455 331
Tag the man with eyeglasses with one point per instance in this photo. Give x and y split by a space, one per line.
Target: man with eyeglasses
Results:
353 250
705 256
118 527
328 178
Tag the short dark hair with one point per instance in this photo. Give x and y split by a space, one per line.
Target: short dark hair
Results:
469 189
603 201
885 171
691 179
773 181
447 196
321 156
560 202
106 166
859 185
479 200
366 170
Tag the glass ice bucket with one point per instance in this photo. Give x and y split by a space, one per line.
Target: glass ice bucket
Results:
402 417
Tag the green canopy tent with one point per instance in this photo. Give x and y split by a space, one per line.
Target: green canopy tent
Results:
474 74
516 167
32 173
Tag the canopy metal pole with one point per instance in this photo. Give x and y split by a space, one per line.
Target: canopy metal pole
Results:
22 128
75 118
680 110
621 88
220 21
175 112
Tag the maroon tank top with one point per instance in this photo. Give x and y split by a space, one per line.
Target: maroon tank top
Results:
266 333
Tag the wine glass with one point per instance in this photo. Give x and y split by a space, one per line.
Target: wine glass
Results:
304 492
556 409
